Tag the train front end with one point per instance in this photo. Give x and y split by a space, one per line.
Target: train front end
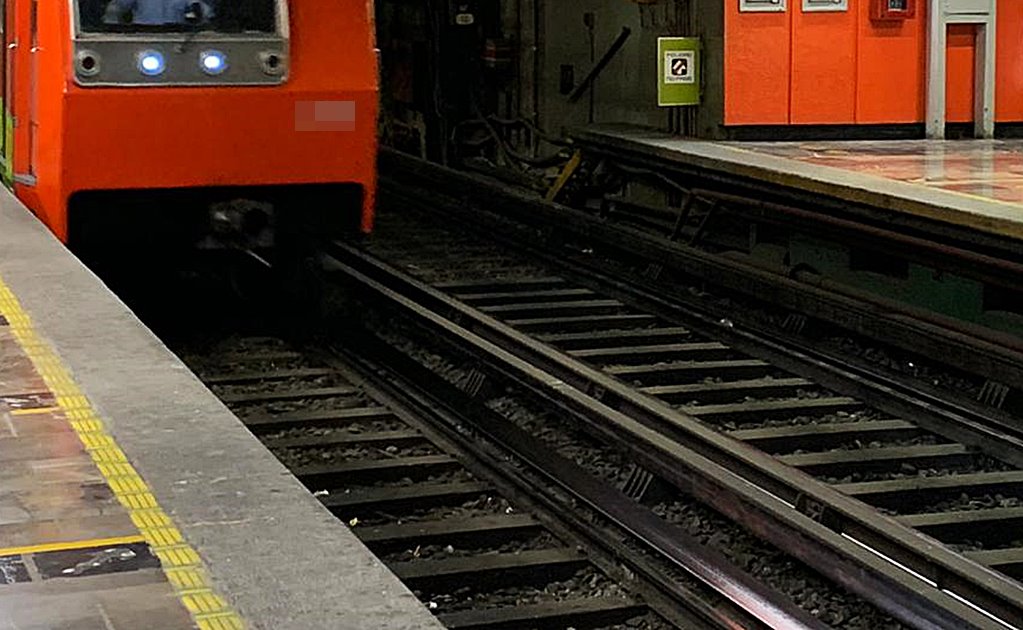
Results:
215 123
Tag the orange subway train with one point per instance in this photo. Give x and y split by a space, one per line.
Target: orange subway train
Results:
221 123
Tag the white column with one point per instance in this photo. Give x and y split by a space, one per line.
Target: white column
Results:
981 14
937 41
984 73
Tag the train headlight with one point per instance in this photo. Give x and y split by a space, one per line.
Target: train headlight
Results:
213 62
151 63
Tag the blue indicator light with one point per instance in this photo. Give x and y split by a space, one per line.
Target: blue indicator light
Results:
213 62
151 63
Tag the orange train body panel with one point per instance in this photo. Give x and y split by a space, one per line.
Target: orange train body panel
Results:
109 138
843 67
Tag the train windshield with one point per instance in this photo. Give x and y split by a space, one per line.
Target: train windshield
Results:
225 16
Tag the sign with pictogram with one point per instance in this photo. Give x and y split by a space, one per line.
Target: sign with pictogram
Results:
679 65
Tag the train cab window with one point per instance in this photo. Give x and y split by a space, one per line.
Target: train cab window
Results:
225 16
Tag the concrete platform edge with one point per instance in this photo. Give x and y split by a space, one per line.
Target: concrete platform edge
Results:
278 556
956 208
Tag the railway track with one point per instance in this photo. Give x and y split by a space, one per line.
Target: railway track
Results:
468 531
861 486
908 340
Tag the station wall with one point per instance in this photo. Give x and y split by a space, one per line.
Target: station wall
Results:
843 68
625 89
758 69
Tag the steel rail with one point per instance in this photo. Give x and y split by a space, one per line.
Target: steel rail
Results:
362 469
994 432
452 408
984 358
910 575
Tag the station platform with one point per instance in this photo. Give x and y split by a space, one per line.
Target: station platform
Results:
976 185
130 497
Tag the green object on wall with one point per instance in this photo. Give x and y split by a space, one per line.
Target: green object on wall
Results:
678 64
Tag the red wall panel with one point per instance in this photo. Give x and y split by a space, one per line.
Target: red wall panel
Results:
892 64
959 73
823 66
757 63
1009 64
841 68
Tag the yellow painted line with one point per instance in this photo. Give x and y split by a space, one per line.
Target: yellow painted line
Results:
34 411
72 545
181 563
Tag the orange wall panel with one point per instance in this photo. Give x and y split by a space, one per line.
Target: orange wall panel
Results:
891 68
1009 63
842 68
757 62
823 66
959 73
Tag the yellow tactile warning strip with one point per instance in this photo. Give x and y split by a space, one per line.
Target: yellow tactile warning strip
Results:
180 562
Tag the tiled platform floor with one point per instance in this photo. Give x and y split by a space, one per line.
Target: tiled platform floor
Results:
992 169
70 554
